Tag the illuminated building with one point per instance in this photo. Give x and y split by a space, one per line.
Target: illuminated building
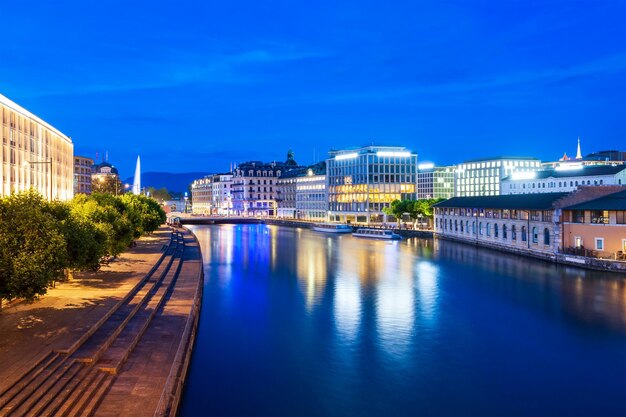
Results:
82 174
286 193
435 182
255 190
361 182
311 198
564 178
34 155
106 178
482 177
202 196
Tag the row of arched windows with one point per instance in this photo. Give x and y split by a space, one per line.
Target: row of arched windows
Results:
493 230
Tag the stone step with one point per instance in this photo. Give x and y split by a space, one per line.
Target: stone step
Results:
40 399
112 360
10 391
37 387
79 394
92 401
93 347
67 394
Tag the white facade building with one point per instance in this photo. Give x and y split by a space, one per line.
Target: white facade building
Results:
564 178
34 154
311 198
482 177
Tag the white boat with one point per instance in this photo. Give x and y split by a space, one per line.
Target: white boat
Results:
377 234
332 228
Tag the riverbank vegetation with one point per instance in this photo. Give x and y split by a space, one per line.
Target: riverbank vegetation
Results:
41 240
418 210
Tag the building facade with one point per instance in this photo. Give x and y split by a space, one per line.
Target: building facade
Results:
105 178
435 182
82 174
286 193
482 177
525 223
254 186
34 155
311 198
563 179
361 182
544 224
202 196
598 226
221 188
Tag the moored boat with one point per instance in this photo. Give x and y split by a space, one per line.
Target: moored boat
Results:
377 234
333 228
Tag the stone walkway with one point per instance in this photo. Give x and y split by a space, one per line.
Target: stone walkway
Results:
29 331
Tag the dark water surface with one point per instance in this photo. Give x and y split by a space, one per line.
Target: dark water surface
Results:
298 323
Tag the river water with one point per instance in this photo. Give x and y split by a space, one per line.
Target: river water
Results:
299 323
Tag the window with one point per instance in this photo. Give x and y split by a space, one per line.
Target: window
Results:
578 216
578 242
546 236
480 228
599 243
535 235
599 216
546 216
504 231
513 233
620 217
488 229
524 237
495 230
534 215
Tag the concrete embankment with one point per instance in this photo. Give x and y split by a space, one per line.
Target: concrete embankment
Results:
122 351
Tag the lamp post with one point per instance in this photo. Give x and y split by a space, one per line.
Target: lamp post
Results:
49 162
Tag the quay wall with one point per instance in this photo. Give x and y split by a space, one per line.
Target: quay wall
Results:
571 260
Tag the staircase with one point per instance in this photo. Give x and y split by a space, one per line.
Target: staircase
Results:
72 382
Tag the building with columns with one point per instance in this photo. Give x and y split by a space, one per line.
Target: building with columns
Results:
34 155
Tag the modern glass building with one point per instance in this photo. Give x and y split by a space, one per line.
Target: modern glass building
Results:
361 182
482 177
435 182
34 154
311 199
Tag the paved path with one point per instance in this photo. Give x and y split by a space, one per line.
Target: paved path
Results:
29 331
138 388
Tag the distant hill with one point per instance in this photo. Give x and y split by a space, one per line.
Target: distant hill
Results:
173 182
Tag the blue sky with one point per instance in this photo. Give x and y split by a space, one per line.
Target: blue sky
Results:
196 85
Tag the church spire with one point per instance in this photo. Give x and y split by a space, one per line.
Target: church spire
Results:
579 155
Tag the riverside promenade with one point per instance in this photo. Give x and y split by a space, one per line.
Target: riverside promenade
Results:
111 343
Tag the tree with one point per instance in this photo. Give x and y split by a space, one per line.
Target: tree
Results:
424 208
107 184
32 247
397 209
85 244
162 194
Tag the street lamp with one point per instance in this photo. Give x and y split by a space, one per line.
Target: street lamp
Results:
49 162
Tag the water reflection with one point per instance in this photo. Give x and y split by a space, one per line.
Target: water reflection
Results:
301 323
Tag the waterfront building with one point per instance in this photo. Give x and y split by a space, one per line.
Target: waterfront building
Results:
598 225
565 178
34 154
311 198
201 196
525 223
254 186
361 182
221 189
482 177
286 193
435 182
82 174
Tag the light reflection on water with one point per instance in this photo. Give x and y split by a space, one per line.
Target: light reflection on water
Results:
300 323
